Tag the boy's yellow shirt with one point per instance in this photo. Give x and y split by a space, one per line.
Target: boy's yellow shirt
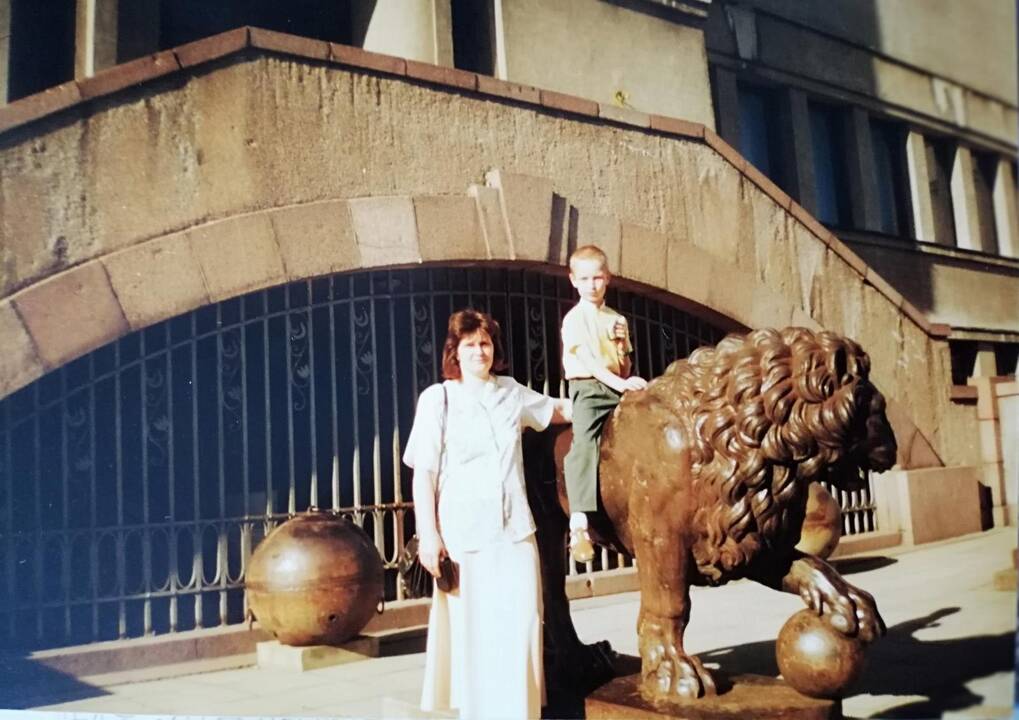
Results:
588 325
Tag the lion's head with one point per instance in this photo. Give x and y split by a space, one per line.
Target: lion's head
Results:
767 413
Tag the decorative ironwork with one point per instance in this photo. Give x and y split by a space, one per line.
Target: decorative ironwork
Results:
136 481
858 508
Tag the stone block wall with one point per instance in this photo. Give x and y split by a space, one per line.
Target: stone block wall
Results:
277 160
998 422
1008 427
930 504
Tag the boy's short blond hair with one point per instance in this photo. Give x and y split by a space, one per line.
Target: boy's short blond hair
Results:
590 252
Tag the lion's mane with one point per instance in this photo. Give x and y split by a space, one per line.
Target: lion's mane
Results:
766 413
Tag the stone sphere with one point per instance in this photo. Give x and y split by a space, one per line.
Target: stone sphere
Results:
315 580
816 659
822 526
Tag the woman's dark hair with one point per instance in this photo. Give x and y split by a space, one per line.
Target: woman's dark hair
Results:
462 324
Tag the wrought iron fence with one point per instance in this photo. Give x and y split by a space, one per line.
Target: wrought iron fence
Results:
858 508
136 480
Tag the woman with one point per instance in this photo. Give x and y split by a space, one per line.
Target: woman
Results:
484 639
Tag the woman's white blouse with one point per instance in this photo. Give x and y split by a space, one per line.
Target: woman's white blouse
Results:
481 484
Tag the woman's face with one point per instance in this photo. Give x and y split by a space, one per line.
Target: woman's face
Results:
475 353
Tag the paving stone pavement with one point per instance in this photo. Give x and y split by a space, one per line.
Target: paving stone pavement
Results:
950 649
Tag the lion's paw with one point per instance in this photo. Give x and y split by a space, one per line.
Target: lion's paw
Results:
670 673
848 609
869 623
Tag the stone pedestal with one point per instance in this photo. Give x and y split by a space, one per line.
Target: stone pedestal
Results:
274 654
741 696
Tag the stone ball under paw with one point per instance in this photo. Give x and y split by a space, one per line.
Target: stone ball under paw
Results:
816 659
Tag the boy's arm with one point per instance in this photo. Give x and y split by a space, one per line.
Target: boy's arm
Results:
605 376
626 367
574 343
621 334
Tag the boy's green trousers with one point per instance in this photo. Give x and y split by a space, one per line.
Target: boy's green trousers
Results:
593 402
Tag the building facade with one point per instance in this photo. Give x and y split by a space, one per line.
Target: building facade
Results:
231 234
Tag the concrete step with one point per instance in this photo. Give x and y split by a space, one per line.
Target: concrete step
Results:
395 708
189 652
867 542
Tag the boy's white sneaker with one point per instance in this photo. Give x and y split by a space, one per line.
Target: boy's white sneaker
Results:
581 547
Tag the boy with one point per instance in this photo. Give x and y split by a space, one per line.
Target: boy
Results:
596 348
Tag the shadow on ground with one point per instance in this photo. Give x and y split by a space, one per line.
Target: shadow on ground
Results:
900 664
25 683
848 566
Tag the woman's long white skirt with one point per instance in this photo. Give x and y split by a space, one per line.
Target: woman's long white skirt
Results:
484 640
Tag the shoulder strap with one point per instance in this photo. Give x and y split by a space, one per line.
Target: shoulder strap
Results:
442 440
445 412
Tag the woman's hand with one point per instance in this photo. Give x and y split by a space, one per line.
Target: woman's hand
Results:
562 411
430 550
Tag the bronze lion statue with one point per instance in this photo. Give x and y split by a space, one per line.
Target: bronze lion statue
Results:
704 479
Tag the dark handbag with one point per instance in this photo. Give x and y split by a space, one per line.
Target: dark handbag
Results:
417 581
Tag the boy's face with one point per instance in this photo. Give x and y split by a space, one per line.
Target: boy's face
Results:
590 278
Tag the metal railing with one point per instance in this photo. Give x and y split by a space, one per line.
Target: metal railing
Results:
136 480
859 510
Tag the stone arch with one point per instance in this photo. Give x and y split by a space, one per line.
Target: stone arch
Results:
510 218
66 315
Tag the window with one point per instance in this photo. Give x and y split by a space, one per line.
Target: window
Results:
41 46
827 139
137 29
891 179
182 21
1006 358
985 170
474 35
758 130
964 359
940 159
